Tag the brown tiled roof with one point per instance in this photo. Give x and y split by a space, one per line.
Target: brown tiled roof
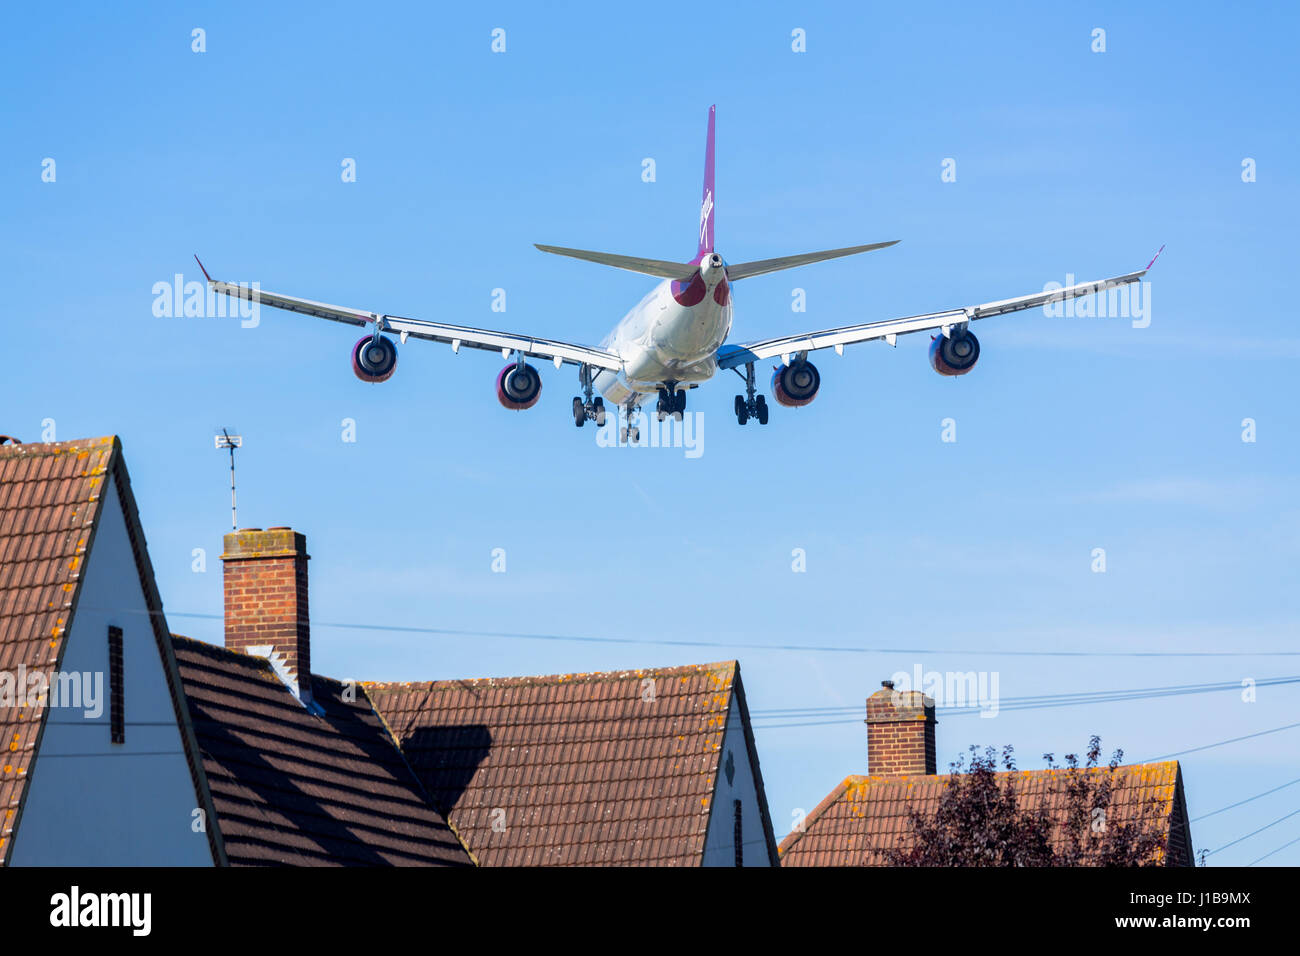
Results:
293 788
574 769
865 817
50 497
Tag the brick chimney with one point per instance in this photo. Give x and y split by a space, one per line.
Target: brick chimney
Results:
266 601
900 732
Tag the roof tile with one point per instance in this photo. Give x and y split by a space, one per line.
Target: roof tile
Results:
293 788
864 818
585 769
49 497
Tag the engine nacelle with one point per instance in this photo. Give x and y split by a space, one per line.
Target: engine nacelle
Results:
956 355
796 384
374 359
518 386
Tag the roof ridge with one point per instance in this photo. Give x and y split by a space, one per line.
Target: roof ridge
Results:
36 449
582 677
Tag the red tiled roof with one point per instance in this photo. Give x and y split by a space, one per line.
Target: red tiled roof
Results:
864 818
574 769
293 788
49 507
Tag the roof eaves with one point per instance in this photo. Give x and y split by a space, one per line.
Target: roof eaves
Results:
697 857
751 749
162 638
794 836
74 598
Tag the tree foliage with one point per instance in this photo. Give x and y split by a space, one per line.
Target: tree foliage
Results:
985 818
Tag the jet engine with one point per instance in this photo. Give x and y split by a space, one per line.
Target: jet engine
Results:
956 355
796 384
374 359
518 386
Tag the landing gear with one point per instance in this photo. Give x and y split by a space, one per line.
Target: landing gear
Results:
590 409
672 401
630 434
751 404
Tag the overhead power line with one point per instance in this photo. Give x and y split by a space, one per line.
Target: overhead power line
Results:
1167 690
1233 806
1272 851
814 715
748 646
1253 832
1221 743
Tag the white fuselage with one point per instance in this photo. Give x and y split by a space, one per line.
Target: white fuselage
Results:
671 336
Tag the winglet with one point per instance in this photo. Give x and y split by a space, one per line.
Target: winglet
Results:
209 278
1154 258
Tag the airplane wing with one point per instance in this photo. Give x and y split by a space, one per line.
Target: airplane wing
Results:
454 335
733 356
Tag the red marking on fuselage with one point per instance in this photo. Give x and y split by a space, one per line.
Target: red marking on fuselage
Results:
689 294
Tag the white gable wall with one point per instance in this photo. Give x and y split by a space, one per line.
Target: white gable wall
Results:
91 802
719 843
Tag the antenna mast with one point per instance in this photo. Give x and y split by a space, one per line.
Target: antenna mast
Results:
227 440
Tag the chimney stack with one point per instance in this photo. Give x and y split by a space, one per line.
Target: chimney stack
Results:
900 732
266 601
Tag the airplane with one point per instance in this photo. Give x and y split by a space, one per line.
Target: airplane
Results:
675 338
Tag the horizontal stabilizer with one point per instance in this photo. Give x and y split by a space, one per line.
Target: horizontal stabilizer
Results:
649 267
743 270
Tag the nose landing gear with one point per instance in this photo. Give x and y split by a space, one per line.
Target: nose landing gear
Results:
672 401
630 434
750 405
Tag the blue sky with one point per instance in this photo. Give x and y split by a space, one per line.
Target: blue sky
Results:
1072 434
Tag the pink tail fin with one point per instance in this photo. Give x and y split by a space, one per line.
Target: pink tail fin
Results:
706 203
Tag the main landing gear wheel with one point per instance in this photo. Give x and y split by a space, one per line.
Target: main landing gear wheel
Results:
592 407
751 404
589 411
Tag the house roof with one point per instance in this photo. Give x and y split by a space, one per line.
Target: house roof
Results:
574 769
50 498
865 817
291 787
